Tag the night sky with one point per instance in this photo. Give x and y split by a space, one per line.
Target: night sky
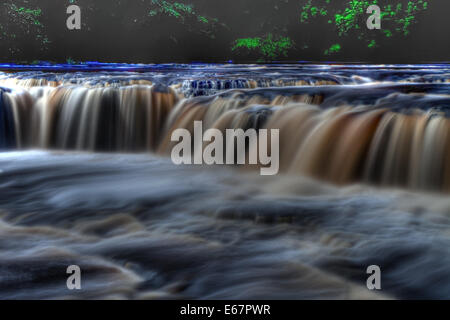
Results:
154 31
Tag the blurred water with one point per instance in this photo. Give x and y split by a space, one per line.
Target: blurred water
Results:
140 227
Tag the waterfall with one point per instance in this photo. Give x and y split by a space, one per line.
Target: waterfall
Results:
7 133
128 118
388 134
343 144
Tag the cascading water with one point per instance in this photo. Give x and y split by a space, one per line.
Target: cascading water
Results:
7 124
387 133
102 193
127 118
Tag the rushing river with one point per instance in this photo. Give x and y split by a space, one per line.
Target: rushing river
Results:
86 179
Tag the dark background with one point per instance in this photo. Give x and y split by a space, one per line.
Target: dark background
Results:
123 31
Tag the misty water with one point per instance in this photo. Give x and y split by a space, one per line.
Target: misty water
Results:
86 179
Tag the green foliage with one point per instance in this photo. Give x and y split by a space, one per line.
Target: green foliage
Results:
397 17
177 10
333 49
185 14
269 47
273 32
24 22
